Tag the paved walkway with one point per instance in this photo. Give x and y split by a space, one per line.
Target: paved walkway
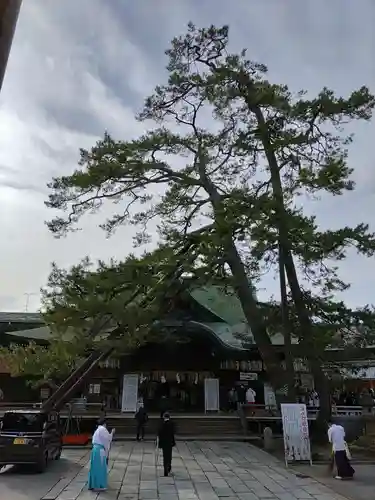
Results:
202 470
362 488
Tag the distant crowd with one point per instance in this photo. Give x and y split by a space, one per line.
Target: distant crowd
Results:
363 397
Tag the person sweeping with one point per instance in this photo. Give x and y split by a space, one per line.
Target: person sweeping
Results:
340 451
101 444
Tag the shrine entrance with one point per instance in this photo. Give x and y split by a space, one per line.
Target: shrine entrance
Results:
175 373
183 391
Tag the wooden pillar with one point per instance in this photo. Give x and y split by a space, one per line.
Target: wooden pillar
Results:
9 10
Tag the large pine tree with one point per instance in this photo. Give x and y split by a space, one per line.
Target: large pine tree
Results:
230 148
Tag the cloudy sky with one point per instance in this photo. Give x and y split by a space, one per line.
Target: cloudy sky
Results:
79 67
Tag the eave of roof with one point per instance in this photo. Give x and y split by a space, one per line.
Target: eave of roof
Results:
42 333
21 317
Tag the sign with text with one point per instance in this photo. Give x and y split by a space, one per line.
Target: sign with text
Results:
242 366
211 394
248 376
269 397
129 393
295 433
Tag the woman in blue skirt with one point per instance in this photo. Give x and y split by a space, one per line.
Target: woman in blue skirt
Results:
101 443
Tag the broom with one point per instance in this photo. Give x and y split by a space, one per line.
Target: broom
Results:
113 433
331 464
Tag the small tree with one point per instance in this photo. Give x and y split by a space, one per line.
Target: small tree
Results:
43 364
98 306
242 172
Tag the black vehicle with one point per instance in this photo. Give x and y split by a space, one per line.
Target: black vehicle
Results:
30 437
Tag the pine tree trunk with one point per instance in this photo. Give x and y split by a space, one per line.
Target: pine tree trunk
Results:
325 409
287 333
249 305
307 339
242 286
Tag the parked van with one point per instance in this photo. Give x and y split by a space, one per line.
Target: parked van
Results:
30 437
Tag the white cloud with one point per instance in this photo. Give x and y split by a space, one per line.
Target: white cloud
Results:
79 67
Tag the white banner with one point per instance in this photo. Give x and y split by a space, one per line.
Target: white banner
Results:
129 393
269 397
211 394
295 433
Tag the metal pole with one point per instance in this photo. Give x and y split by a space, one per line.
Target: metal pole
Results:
9 11
27 302
28 295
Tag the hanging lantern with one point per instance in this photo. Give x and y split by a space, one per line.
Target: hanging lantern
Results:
178 378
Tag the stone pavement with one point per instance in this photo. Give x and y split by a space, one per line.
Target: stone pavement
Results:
202 470
362 488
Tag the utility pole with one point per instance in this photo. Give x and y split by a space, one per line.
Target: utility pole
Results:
27 296
9 10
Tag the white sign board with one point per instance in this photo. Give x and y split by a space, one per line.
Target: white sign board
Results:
248 376
129 393
44 393
269 397
295 433
211 394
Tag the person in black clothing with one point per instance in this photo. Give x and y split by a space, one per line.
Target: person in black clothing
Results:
166 441
241 394
141 418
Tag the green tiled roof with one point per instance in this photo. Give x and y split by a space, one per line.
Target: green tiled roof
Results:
231 328
234 330
21 317
226 334
221 301
42 333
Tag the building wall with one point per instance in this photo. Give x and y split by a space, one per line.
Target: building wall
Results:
17 390
9 10
191 362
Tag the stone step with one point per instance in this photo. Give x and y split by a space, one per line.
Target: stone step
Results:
199 437
184 427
